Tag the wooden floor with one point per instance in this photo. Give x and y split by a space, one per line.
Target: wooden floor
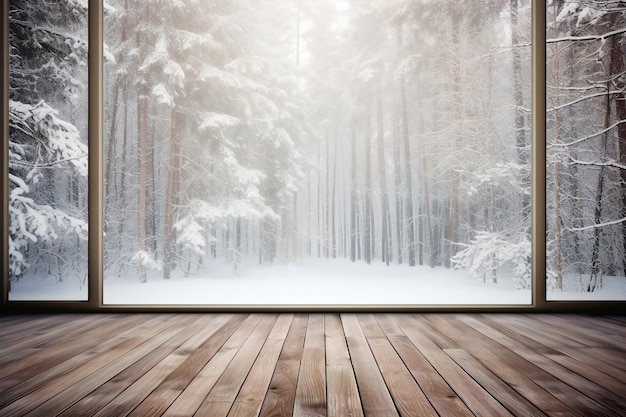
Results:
312 365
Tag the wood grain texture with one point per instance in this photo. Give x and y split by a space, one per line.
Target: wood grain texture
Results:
311 388
281 394
318 364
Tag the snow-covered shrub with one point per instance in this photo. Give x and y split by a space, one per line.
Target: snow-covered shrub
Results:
489 252
145 261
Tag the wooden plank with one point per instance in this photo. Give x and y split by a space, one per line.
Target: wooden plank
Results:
335 341
356 365
21 325
57 361
147 372
591 331
311 389
376 399
571 331
110 362
595 338
439 393
603 359
479 400
575 372
224 392
585 379
511 399
179 389
342 391
95 380
281 394
60 356
621 320
406 393
550 394
250 398
29 331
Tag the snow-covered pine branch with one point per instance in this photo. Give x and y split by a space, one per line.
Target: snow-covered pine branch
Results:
597 226
31 223
60 138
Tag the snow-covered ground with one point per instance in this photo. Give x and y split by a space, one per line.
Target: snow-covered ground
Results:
311 282
314 282
48 289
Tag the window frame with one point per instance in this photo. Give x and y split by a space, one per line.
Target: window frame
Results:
95 303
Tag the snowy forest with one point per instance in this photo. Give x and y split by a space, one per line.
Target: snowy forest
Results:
271 131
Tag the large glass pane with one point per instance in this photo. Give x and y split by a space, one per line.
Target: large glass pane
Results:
47 150
586 135
317 152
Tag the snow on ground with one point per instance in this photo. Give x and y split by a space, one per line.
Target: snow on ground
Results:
48 289
316 282
311 282
613 289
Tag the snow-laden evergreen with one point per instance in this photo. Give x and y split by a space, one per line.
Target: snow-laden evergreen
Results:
47 153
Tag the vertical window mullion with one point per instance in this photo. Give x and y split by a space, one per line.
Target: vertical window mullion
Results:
538 151
4 162
95 131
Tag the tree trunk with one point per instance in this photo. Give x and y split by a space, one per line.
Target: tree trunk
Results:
399 202
108 175
331 183
596 272
452 222
108 170
523 150
171 197
595 251
409 215
122 190
369 221
353 198
151 200
617 69
142 156
557 183
425 187
384 218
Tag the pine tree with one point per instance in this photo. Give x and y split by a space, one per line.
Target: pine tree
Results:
46 152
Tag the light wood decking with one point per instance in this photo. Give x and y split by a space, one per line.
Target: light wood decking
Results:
317 364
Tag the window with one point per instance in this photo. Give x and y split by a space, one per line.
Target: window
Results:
247 157
586 143
47 151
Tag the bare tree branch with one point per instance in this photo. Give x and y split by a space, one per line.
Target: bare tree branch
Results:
593 135
613 164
